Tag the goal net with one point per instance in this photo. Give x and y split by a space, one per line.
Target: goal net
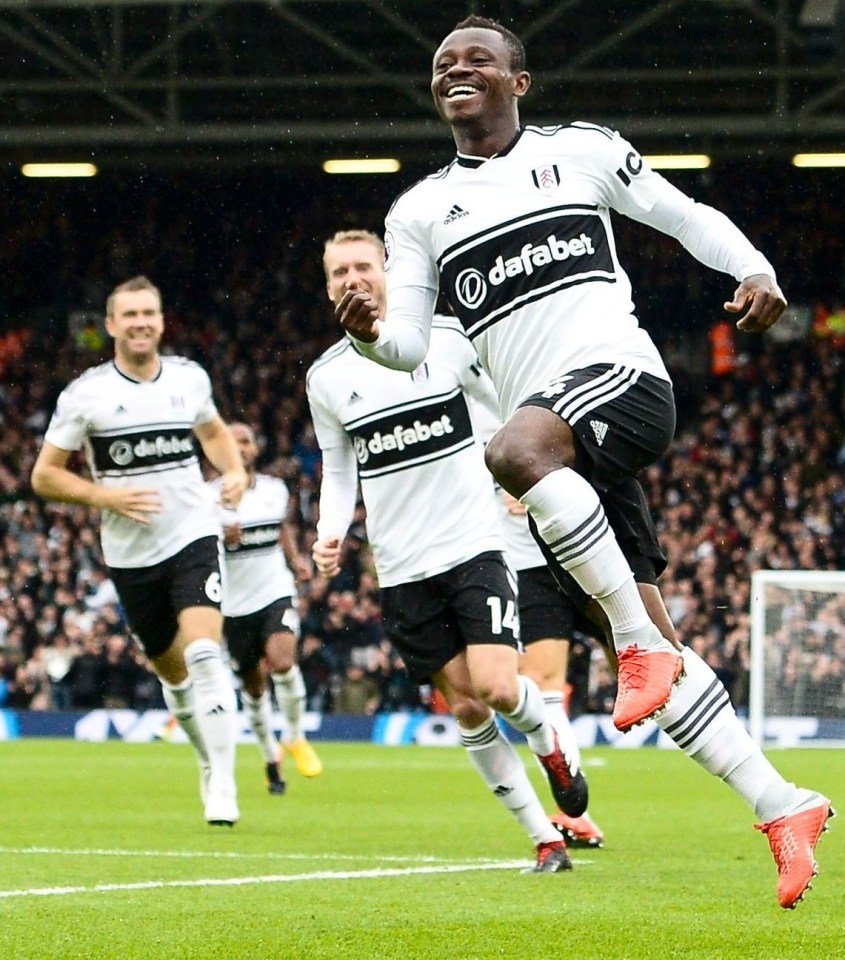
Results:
797 648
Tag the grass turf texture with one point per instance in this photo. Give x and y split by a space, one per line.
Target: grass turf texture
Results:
683 875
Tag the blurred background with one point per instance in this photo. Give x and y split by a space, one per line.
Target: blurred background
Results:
202 137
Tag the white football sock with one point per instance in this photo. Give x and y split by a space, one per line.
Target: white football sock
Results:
180 702
260 716
500 767
701 721
572 522
290 696
216 709
556 716
530 718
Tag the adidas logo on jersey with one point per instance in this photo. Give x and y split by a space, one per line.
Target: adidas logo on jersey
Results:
354 397
600 430
455 214
401 437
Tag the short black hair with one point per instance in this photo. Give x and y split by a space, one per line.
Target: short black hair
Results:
512 41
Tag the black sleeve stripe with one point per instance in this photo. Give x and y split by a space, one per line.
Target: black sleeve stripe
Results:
335 351
548 131
594 127
437 175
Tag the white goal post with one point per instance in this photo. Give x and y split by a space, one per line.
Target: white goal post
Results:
797 642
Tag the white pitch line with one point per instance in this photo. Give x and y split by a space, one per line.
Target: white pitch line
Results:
276 878
226 855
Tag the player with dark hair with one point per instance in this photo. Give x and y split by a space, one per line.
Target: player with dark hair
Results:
137 417
517 233
447 595
260 621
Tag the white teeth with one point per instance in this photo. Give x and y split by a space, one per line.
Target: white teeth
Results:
461 91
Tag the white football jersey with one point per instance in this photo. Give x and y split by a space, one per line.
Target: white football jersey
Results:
256 570
138 433
429 497
522 246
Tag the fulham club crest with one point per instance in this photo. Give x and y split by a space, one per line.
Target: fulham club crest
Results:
546 179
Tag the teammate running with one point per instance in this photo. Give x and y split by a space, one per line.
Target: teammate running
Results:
260 624
447 597
137 417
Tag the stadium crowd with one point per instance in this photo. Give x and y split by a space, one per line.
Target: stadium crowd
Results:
754 478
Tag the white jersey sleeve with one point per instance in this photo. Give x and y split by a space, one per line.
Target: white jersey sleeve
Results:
338 492
412 285
339 482
634 189
67 428
403 343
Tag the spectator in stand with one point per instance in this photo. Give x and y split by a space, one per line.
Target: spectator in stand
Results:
101 590
119 673
85 676
58 659
359 693
317 667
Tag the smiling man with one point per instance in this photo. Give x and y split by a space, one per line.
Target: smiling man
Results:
517 233
136 418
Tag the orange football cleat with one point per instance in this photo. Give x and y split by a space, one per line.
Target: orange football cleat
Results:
793 838
644 683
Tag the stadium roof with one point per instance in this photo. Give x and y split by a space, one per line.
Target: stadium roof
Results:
294 81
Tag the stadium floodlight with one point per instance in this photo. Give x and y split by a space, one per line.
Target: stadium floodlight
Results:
797 627
677 161
363 165
818 160
59 170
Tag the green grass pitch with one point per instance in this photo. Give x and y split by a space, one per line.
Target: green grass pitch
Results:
394 853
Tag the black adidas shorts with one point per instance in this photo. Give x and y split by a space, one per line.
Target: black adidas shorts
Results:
152 597
623 421
431 621
247 636
546 611
623 418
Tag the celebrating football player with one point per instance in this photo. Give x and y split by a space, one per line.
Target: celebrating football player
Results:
517 233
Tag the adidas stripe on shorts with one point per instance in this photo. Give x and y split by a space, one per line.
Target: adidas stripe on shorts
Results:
624 418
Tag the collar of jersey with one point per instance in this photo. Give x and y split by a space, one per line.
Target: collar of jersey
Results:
465 160
131 379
